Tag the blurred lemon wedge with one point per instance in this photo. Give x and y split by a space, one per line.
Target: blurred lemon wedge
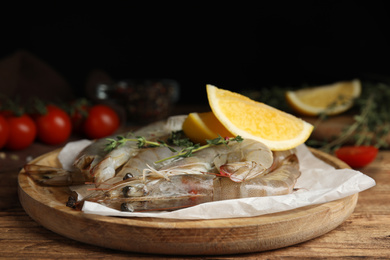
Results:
200 127
254 120
329 99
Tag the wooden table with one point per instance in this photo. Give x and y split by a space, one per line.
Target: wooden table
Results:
366 233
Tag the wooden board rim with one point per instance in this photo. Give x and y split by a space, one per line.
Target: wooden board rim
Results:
196 233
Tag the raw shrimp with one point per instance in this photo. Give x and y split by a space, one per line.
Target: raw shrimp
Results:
280 181
135 166
90 156
94 164
52 176
239 161
107 167
245 161
188 190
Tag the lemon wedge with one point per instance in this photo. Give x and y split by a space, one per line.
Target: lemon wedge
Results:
255 120
200 127
329 99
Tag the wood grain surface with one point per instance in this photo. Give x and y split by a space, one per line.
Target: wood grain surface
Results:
365 234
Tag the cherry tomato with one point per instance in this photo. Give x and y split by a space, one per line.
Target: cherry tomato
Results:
357 156
54 127
77 120
4 131
78 113
22 132
102 121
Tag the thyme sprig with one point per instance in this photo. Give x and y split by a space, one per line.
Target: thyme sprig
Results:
371 124
176 139
140 140
189 150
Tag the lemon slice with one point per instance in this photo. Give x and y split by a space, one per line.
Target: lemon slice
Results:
200 127
329 99
254 120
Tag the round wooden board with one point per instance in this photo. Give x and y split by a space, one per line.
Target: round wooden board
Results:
46 205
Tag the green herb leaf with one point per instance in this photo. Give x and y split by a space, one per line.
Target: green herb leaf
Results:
176 138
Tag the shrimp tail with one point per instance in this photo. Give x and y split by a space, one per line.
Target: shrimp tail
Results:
51 176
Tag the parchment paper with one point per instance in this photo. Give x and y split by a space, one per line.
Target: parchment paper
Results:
318 183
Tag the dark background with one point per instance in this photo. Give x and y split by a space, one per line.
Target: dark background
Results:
233 46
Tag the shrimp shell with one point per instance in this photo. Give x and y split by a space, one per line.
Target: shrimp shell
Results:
94 164
135 166
192 189
52 176
106 168
281 181
239 161
156 194
245 160
90 156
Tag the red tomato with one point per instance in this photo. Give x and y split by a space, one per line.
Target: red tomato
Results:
102 121
4 131
22 132
78 113
357 156
54 127
77 120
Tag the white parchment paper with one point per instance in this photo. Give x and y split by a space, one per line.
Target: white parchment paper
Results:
318 183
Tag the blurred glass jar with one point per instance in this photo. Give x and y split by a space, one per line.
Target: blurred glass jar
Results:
144 100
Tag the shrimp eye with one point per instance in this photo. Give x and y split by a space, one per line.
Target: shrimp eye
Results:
128 176
71 202
136 190
126 207
126 191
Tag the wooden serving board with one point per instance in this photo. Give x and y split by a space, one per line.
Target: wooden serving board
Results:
46 205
